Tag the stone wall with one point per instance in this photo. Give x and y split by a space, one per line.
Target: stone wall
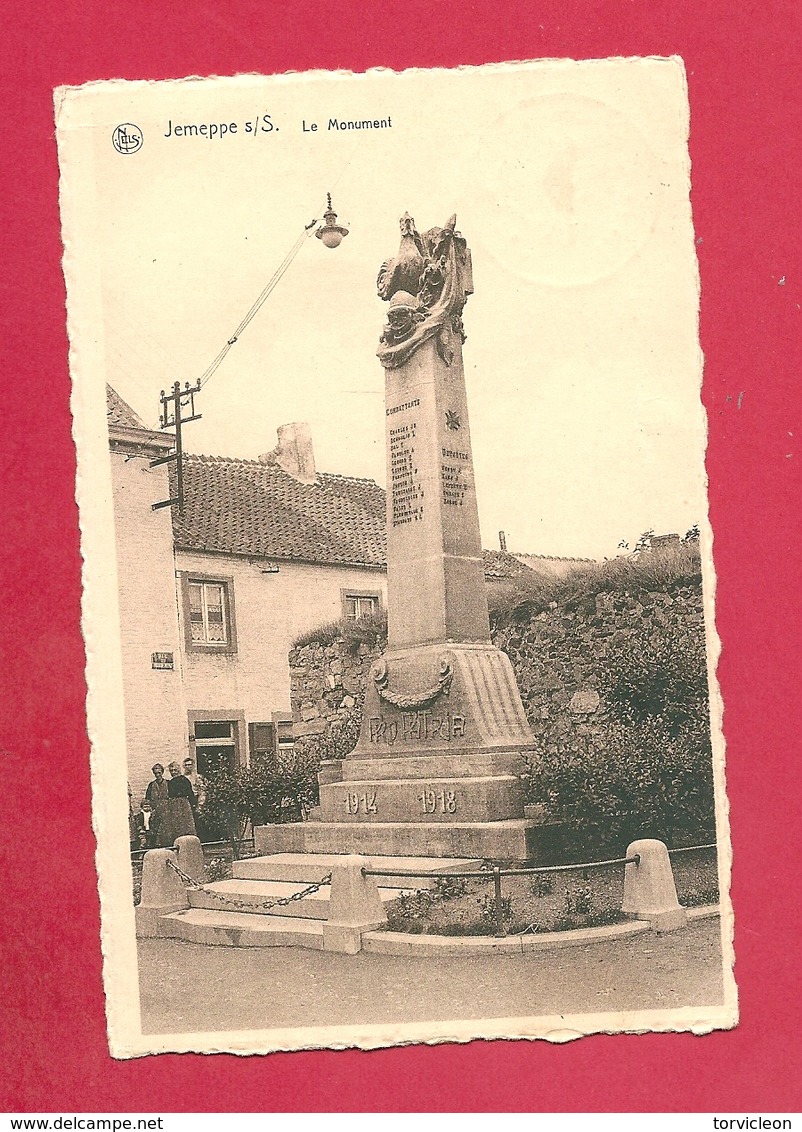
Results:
556 654
327 686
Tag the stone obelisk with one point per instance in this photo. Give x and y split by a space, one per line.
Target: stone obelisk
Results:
436 769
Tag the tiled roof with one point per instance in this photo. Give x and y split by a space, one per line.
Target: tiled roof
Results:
249 508
244 507
500 564
120 413
523 557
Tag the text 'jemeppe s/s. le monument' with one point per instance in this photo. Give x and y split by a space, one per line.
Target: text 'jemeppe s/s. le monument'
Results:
435 771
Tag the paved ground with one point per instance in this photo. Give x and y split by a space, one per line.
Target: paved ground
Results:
236 989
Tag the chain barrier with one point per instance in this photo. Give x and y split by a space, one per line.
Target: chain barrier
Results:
226 843
262 906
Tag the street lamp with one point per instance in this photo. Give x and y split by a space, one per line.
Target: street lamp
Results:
331 233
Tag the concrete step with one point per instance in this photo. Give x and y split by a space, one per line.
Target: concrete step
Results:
307 868
255 892
240 929
514 840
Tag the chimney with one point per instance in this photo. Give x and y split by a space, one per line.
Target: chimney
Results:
502 541
293 453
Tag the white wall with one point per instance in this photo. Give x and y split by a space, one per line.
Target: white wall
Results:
155 713
271 610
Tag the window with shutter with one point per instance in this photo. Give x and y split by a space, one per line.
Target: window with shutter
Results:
209 613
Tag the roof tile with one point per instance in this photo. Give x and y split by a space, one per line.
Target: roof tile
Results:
120 413
245 507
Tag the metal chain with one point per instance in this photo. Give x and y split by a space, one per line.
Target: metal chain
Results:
251 905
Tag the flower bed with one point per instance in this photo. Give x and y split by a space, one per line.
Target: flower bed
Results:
546 902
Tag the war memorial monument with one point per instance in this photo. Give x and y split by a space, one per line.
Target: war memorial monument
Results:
433 785
436 770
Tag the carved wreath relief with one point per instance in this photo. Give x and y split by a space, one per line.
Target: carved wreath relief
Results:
420 721
424 698
427 285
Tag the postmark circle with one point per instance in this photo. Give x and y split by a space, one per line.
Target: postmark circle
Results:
575 192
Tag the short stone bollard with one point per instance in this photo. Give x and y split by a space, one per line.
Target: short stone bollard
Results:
649 889
162 892
190 858
355 906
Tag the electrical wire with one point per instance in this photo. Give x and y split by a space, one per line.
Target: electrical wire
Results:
269 287
271 284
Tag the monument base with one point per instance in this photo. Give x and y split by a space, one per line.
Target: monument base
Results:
453 699
516 839
437 771
429 800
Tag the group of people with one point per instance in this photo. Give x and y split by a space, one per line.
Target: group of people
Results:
170 808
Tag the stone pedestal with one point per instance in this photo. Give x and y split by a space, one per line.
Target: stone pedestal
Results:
355 907
649 889
190 858
517 839
442 740
162 892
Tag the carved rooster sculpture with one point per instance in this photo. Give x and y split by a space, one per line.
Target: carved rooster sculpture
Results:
403 272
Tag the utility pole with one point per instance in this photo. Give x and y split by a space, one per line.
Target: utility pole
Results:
171 416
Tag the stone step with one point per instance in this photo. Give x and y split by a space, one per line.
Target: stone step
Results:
240 929
249 892
308 868
514 840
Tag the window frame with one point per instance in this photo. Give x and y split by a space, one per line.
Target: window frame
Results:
280 741
354 594
234 716
226 583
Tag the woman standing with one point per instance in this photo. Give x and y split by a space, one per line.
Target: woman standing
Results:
156 794
178 820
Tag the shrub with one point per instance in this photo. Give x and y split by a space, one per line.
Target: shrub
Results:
663 677
646 768
370 631
218 868
450 888
324 635
284 790
630 782
644 570
579 902
411 911
542 885
487 909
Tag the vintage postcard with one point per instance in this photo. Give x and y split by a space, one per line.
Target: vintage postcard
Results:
398 589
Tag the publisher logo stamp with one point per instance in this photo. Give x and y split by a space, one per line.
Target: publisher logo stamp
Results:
127 138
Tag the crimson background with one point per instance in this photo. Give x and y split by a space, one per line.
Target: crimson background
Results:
743 75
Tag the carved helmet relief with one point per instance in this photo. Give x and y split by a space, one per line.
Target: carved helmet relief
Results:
427 284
